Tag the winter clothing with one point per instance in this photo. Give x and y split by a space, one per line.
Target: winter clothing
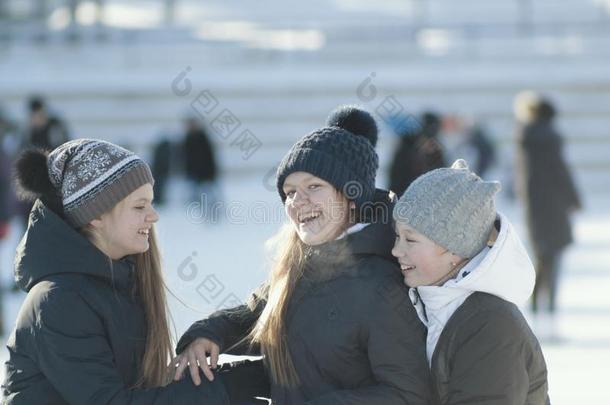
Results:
483 148
5 189
80 335
452 207
161 165
418 151
352 335
48 136
199 159
546 188
93 176
479 345
342 153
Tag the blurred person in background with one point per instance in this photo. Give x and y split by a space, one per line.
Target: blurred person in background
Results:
44 129
544 184
418 151
5 176
161 168
10 144
5 216
200 167
5 193
469 141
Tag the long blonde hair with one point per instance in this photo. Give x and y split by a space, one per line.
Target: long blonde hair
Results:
270 329
150 286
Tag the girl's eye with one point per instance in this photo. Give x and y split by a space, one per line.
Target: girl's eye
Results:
289 193
314 186
140 208
410 240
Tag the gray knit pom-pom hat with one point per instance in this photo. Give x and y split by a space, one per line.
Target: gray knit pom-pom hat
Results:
453 207
92 176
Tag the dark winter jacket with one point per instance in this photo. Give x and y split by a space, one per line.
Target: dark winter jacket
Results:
80 334
545 185
488 354
50 135
416 154
200 163
5 186
353 337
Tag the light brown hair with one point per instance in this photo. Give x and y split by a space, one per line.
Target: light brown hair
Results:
270 329
151 288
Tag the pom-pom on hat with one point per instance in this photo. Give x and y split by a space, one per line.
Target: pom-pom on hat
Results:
341 153
453 207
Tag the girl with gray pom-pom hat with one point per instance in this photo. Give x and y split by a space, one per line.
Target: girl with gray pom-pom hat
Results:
467 271
333 320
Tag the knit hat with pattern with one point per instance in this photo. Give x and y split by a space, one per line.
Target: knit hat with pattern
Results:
92 176
453 207
341 153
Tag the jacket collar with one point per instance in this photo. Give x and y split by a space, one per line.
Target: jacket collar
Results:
329 260
50 246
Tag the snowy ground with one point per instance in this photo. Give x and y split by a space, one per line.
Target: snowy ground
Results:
210 266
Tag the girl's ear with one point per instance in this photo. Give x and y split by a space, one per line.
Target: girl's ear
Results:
456 260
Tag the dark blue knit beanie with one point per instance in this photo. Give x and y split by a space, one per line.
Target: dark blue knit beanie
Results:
342 153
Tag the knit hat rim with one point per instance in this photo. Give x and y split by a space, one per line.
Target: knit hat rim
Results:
338 175
107 198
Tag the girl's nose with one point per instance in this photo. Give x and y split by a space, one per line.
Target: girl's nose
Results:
396 251
300 198
153 216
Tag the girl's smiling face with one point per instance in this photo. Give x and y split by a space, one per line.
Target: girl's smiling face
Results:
421 260
317 210
124 230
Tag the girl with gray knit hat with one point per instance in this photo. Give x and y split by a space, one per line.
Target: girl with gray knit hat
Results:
332 320
467 271
93 328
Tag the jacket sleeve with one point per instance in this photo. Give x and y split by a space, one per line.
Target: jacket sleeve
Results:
228 327
396 350
490 362
74 355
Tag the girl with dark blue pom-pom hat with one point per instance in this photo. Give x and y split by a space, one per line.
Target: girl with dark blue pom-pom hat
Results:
333 319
